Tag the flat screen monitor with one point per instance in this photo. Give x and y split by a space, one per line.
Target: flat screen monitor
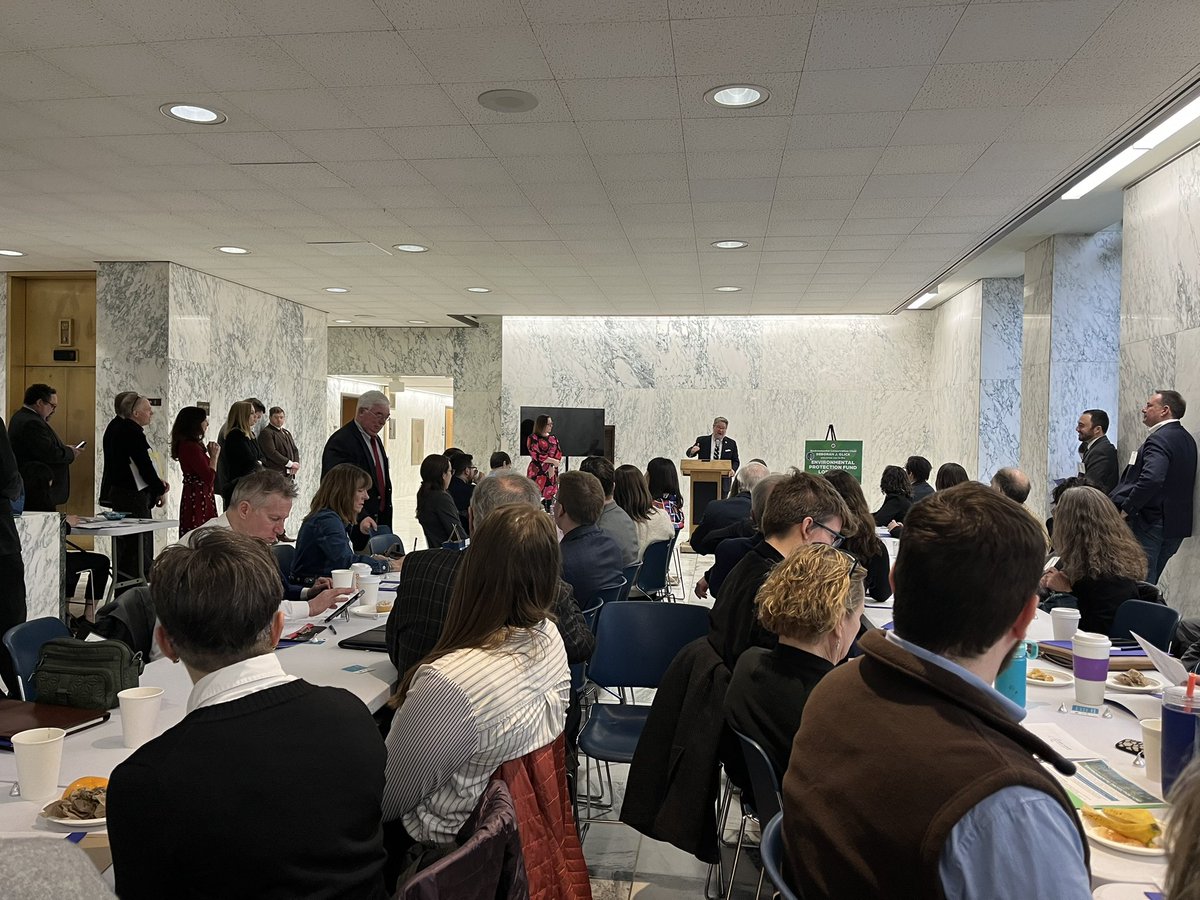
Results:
580 432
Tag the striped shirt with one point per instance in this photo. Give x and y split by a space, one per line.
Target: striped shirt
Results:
466 714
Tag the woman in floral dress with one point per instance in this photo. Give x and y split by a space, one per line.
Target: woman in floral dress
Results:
545 458
199 465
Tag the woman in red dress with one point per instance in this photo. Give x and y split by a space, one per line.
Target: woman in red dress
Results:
545 458
199 465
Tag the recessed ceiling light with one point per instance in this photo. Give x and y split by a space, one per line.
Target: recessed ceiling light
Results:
417 322
507 100
410 248
235 251
479 290
11 253
737 96
189 112
923 299
730 245
727 289
337 290
342 321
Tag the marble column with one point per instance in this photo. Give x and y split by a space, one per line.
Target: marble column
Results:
1000 341
1070 356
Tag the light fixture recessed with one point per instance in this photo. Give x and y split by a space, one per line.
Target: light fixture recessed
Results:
234 251
338 290
342 321
727 289
479 290
417 322
410 248
737 96
192 114
730 245
507 100
11 253
923 299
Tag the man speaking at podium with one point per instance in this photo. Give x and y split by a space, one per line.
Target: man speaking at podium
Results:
715 446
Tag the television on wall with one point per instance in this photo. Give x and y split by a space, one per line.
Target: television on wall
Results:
580 431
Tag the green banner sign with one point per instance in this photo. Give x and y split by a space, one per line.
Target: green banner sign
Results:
821 456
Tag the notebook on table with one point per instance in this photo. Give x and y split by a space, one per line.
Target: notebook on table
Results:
1119 658
374 640
18 715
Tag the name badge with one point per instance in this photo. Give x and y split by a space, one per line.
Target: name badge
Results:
1081 469
1133 458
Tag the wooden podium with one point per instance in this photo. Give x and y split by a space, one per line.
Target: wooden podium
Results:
706 479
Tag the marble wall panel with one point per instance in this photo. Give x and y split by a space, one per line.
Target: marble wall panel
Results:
42 553
954 377
1001 343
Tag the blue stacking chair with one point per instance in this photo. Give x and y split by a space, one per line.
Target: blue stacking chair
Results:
24 644
656 562
630 574
1152 621
635 644
772 857
767 800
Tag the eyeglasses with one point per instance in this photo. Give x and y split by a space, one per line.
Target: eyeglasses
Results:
838 537
852 558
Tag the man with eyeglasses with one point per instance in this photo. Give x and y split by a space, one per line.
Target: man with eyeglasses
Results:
35 441
358 443
803 509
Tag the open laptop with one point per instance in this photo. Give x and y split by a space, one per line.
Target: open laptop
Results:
374 640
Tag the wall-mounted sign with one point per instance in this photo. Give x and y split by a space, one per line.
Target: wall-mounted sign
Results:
66 332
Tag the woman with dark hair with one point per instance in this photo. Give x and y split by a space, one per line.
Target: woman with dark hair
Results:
323 543
651 522
1101 561
897 496
949 475
199 464
436 511
240 454
861 541
544 458
663 483
494 688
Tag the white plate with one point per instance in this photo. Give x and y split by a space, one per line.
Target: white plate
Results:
73 823
1134 849
1156 684
367 611
1061 679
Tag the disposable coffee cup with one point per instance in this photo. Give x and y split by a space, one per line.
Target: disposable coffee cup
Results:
1152 747
139 714
359 570
1090 652
369 585
342 578
39 757
1065 622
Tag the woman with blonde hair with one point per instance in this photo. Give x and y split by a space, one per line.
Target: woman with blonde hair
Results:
323 543
807 602
494 687
1100 561
239 454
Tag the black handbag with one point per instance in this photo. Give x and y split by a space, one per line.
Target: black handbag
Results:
85 674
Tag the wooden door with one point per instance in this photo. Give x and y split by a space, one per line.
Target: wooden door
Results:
349 409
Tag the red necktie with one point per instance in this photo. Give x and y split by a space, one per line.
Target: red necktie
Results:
380 480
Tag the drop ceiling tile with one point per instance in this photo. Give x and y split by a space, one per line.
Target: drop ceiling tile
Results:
551 106
959 206
433 216
971 225
669 190
435 142
247 147
342 145
70 153
879 38
314 16
355 59
1029 30
590 191
728 190
547 169
499 53
967 85
311 108
177 20
406 14
716 135
381 107
927 159
1084 123
27 76
121 70
532 139
1019 157
640 166
671 212
823 132
566 12
1018 185
896 186
608 50
641 136
844 161
291 175
375 173
879 226
842 187
810 209
34 24
920 126
745 42
763 164
814 242
94 116
1132 81
157 149
785 229
506 215
522 232
470 195
236 64
882 242
781 86
411 196
602 99
859 90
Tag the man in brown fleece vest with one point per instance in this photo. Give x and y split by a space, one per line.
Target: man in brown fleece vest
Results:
910 775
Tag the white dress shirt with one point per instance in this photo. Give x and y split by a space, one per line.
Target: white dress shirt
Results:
238 680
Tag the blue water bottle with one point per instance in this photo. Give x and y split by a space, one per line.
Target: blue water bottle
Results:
1011 680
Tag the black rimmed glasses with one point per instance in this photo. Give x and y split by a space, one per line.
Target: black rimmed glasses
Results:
838 537
851 558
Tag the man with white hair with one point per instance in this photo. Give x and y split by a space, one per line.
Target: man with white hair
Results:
358 443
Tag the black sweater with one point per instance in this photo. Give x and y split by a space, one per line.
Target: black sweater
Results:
217 807
895 506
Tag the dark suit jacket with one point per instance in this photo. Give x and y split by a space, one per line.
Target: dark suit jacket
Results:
124 443
920 490
1158 486
10 489
591 561
729 449
719 514
33 440
1100 464
278 448
346 445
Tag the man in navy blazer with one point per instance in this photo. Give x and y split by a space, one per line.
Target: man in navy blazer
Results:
591 559
1155 491
725 447
358 442
719 515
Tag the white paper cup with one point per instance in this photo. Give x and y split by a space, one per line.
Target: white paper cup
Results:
39 757
1065 622
1090 666
342 578
359 570
1152 747
139 713
369 585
